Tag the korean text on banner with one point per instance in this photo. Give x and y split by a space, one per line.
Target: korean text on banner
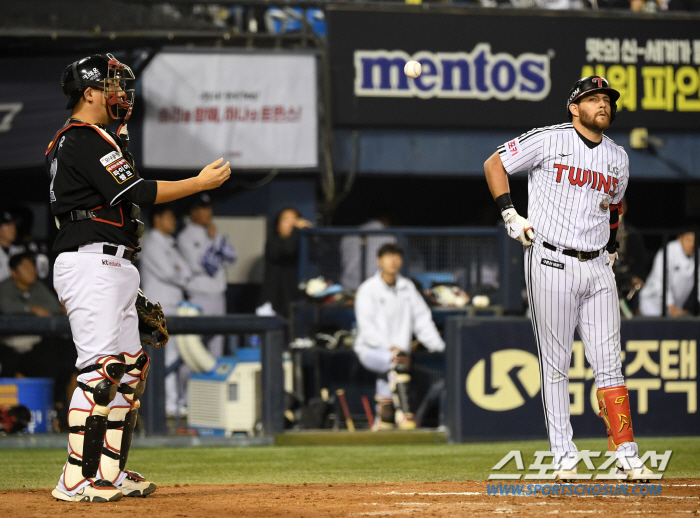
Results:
256 110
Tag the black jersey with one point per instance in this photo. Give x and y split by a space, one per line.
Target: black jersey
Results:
88 171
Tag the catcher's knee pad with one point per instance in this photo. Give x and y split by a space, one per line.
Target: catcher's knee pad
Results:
102 388
614 404
122 419
137 367
87 427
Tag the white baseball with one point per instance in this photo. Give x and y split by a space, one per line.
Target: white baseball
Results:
413 69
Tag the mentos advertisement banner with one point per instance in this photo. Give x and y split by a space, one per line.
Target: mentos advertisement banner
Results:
494 388
498 69
257 110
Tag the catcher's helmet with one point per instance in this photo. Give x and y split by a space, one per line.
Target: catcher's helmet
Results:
108 74
590 84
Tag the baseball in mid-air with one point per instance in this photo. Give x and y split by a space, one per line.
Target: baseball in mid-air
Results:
412 69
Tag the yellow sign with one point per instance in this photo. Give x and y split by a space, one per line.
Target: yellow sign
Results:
507 366
8 395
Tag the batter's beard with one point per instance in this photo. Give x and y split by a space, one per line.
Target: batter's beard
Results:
592 123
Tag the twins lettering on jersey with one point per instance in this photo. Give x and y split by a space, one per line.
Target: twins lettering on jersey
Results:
580 177
117 166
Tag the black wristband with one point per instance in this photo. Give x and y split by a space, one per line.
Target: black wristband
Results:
504 202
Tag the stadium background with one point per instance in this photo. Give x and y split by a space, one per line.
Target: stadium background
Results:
416 159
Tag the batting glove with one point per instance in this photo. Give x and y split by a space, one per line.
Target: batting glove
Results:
518 227
612 258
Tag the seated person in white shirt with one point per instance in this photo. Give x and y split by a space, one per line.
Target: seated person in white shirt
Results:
389 310
680 265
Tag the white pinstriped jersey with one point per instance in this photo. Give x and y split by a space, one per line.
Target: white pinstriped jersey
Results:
570 186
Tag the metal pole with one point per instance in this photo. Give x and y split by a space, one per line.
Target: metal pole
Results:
273 382
363 258
153 399
696 305
664 302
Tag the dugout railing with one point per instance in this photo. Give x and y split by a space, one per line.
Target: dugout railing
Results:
272 331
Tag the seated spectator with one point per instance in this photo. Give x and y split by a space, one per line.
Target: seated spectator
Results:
8 233
680 265
280 284
26 242
32 356
389 310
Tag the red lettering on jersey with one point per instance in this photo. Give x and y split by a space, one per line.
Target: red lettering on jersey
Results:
604 182
560 169
613 187
578 177
513 148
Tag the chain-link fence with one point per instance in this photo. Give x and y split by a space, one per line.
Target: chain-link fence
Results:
468 257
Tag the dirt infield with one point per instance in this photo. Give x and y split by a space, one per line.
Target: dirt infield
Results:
679 497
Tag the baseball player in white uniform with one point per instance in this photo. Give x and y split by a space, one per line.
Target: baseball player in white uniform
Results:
680 266
164 275
207 286
577 177
389 311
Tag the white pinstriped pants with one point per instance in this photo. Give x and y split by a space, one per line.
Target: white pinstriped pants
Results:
580 295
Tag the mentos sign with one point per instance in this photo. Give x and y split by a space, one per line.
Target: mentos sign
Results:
478 74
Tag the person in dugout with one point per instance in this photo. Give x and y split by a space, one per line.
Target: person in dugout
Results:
389 310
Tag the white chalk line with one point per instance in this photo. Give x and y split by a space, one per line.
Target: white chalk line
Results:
476 493
466 493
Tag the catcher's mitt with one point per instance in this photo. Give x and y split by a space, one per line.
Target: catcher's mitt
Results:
152 326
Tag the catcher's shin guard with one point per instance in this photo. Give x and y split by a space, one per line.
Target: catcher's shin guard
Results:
399 379
614 404
122 418
87 427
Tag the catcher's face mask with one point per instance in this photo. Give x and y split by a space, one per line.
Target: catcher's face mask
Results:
120 99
